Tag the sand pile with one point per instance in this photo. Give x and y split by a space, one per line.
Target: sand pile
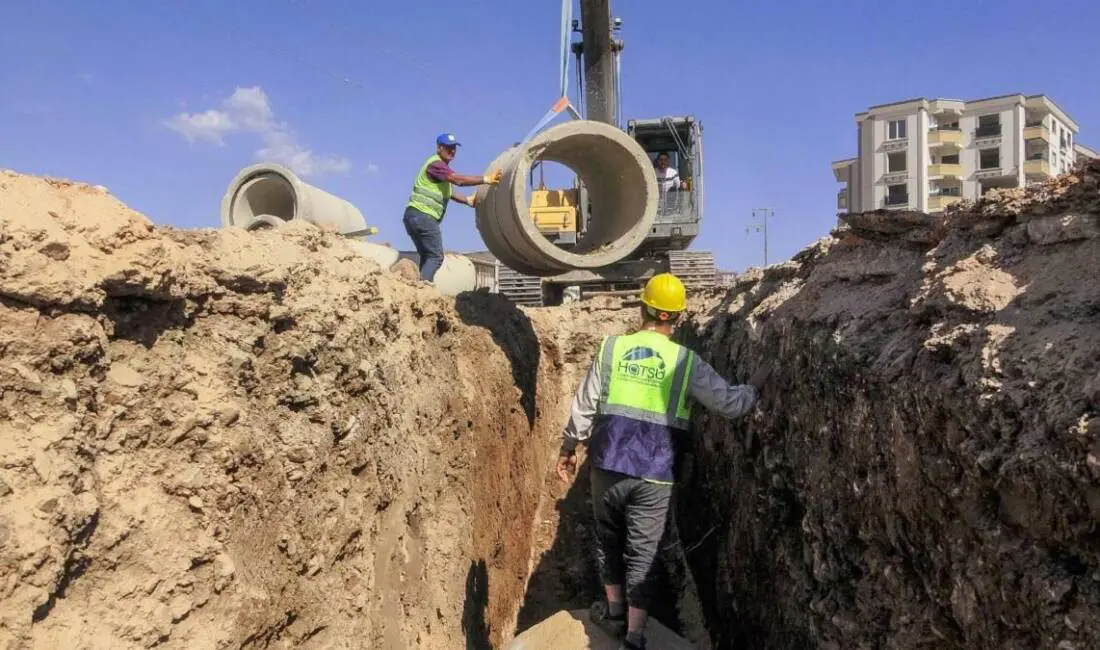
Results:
215 439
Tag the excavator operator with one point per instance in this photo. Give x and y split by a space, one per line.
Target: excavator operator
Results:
429 199
630 410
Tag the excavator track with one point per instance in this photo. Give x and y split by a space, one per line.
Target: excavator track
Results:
696 269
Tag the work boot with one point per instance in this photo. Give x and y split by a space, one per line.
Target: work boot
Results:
633 641
613 625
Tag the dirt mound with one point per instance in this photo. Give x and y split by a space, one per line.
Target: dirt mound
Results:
406 269
923 471
216 439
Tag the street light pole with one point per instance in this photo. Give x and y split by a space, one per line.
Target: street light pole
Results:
760 224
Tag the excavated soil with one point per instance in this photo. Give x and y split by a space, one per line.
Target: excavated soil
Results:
220 439
923 469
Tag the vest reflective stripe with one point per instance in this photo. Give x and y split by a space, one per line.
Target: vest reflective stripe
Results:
430 196
664 400
643 407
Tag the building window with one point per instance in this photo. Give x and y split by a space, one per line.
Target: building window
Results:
895 162
988 125
896 130
897 194
989 158
950 160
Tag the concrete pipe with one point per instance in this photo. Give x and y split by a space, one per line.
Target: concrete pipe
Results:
381 254
622 190
456 275
266 194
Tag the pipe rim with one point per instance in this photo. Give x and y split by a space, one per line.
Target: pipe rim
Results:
253 172
503 215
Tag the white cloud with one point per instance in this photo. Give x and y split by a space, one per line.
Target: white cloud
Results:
280 147
248 110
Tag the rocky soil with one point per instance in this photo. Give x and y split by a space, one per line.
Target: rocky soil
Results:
924 471
219 439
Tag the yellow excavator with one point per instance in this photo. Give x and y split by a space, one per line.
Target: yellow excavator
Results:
562 214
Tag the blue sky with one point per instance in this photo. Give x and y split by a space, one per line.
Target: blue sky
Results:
355 92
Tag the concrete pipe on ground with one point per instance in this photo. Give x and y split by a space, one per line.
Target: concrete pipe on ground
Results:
266 195
381 254
456 275
621 185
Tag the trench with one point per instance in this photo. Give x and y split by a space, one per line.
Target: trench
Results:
922 470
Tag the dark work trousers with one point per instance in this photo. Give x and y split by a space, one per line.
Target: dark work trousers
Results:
428 239
630 521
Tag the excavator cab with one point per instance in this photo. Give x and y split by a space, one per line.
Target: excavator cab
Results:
680 207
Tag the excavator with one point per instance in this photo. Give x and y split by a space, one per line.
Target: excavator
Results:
561 215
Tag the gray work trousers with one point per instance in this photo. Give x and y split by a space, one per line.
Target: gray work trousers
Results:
630 522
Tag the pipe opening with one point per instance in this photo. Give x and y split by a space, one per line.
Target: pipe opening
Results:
612 179
266 194
554 196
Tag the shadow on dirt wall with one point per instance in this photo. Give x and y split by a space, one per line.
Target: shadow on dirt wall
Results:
513 332
474 625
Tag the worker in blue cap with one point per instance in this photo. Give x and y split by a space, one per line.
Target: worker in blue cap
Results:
428 202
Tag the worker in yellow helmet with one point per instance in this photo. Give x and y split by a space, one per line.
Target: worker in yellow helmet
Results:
632 410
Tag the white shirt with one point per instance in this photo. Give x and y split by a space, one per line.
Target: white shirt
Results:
667 178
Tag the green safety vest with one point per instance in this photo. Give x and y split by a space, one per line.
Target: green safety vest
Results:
643 405
430 196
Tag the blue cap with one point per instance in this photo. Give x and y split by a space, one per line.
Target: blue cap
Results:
447 140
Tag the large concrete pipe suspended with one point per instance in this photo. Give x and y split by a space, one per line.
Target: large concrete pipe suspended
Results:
621 186
266 195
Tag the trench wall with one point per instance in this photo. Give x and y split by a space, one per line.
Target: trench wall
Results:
922 471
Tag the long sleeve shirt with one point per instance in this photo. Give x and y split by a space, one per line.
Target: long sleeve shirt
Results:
705 386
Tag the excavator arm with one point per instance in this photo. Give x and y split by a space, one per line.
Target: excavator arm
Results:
599 49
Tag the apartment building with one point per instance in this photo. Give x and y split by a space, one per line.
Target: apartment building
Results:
924 154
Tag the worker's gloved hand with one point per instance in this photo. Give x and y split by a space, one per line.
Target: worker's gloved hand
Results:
494 177
471 200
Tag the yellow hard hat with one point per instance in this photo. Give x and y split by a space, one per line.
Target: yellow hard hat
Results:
665 292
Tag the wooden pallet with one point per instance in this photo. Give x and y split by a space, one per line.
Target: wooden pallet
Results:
520 289
696 269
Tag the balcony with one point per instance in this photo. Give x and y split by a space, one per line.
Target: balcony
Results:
945 170
1037 167
944 136
941 201
1037 131
897 200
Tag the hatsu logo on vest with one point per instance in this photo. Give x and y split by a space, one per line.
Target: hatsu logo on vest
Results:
642 364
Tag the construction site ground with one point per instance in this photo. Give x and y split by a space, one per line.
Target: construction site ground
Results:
226 439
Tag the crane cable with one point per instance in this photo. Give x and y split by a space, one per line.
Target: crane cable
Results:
563 103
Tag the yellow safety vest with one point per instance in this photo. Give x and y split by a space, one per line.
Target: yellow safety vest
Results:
430 196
